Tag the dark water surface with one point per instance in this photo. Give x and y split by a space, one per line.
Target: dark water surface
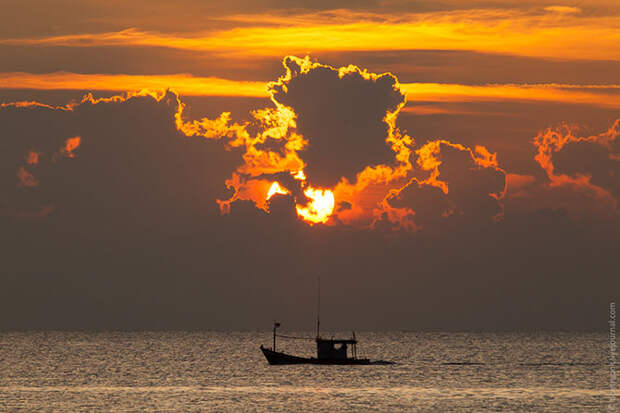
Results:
216 371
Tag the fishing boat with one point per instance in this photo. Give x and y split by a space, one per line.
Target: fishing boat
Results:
328 351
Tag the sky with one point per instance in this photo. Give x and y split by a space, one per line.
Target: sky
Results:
196 164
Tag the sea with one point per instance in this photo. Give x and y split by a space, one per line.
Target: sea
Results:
226 372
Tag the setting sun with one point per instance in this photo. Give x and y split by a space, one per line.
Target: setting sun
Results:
320 206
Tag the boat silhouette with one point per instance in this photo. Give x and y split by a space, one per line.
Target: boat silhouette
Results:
328 351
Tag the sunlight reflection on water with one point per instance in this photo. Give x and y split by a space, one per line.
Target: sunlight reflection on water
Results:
191 371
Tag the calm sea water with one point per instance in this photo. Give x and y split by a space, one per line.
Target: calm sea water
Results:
216 371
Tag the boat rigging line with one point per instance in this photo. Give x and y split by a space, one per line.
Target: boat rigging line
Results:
294 337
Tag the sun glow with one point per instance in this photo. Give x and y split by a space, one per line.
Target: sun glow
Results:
320 207
276 189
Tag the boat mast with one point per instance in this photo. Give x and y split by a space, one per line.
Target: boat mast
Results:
318 308
275 325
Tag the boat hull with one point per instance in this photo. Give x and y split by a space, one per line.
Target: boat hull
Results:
277 358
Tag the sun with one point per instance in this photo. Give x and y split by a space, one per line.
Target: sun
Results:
320 207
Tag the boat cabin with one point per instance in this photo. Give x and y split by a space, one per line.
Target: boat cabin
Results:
333 349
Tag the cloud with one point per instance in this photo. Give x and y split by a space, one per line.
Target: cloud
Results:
329 141
590 162
26 178
328 138
580 174
563 9
605 95
596 95
504 31
101 162
32 158
342 161
344 115
452 182
71 145
181 83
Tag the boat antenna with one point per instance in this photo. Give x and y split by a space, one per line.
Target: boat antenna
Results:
318 307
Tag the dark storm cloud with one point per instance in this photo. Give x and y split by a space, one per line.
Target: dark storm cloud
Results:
342 116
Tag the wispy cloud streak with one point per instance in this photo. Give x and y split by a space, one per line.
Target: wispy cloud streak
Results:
557 32
182 83
597 95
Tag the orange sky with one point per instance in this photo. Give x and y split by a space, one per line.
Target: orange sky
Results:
454 163
228 41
